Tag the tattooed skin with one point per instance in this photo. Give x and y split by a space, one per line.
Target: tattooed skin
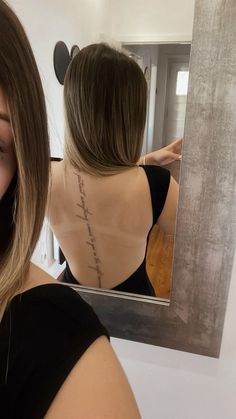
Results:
85 215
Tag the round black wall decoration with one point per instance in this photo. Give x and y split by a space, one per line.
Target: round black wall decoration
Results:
61 60
74 51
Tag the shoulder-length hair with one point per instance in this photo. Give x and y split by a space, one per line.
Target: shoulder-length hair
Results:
21 85
105 98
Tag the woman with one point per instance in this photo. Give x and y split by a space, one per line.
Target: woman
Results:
103 205
56 361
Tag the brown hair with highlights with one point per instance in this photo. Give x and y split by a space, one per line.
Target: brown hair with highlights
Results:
20 82
105 99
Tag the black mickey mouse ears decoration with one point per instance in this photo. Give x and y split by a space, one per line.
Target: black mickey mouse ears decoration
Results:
61 60
74 51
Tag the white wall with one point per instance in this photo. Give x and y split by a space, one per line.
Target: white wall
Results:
170 384
49 21
152 20
228 347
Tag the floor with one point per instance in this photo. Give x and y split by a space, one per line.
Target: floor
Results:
159 261
160 251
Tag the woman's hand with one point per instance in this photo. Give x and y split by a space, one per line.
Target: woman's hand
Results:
165 155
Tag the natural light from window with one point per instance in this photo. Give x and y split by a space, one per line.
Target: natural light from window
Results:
182 83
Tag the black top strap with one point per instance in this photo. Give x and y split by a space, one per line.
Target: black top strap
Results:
159 182
43 333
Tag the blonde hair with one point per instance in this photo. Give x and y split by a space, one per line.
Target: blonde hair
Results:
20 82
105 99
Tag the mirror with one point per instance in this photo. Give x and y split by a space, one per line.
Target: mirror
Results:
206 229
204 248
74 50
166 68
166 71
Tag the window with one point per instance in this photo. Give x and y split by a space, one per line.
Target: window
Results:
182 83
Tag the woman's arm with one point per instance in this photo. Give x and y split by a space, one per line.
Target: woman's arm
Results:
96 388
164 156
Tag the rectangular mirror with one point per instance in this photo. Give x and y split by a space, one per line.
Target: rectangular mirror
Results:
192 319
166 69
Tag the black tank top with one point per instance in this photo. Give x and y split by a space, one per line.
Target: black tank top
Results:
43 334
6 216
139 283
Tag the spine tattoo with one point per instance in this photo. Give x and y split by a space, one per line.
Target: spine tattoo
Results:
85 215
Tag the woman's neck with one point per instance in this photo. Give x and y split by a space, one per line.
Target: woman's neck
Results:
34 277
37 276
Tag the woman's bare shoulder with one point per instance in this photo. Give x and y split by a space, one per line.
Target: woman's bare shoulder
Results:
95 388
37 276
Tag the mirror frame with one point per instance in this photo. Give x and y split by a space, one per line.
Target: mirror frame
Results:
206 219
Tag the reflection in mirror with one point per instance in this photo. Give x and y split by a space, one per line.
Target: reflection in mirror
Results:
74 50
103 223
160 248
166 69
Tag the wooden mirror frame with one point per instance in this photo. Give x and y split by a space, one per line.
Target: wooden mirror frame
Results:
206 221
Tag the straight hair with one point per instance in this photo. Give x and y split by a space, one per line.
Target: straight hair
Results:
105 98
21 85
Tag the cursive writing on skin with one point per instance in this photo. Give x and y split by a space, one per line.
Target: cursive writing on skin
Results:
91 242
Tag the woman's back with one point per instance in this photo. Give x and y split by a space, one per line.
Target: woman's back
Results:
102 223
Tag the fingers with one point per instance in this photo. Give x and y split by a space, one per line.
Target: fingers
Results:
175 146
177 142
170 158
175 156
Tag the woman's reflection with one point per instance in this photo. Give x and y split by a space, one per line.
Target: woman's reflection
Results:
104 204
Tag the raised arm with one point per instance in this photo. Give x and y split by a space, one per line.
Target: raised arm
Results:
165 155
